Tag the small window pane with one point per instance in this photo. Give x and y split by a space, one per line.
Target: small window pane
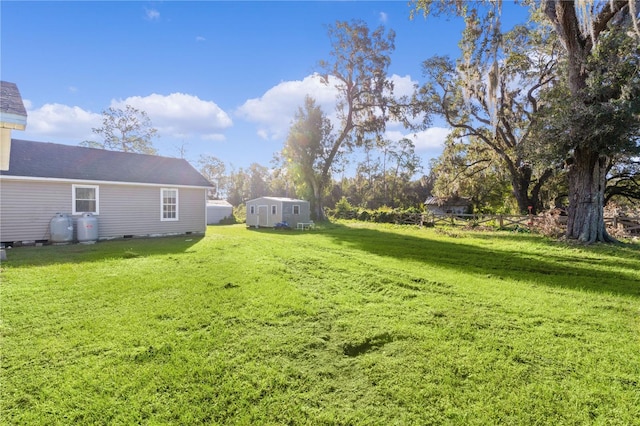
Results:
85 206
86 200
85 193
169 204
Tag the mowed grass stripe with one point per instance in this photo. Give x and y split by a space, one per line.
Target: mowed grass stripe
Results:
349 324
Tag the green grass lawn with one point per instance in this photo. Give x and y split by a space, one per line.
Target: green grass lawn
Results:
349 324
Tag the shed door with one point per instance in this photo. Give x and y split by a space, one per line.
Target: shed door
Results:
263 215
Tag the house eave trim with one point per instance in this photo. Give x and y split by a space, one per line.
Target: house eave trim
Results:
13 121
95 182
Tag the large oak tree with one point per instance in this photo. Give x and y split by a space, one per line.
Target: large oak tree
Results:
492 101
602 116
599 117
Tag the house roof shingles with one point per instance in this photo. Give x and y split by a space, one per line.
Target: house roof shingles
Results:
57 161
10 99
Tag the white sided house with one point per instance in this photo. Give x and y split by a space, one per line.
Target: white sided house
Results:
268 211
217 210
129 194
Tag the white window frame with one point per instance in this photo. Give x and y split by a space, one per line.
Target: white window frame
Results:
252 209
296 207
169 219
274 210
74 199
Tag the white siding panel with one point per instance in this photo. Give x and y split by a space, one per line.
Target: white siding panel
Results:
216 213
131 210
26 209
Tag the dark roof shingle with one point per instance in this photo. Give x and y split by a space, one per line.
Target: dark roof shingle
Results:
10 99
57 161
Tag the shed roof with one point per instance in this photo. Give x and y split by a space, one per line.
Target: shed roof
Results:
219 203
280 199
450 201
58 161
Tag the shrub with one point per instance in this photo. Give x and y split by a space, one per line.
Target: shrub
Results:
385 214
364 215
343 210
240 213
228 220
549 224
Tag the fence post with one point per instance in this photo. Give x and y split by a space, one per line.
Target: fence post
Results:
500 221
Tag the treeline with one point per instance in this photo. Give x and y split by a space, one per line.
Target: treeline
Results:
543 114
374 185
377 192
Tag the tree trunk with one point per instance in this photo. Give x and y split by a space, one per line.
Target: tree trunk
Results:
528 197
520 181
535 192
521 194
317 208
587 182
587 173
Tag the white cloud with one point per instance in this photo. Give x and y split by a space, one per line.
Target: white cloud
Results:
216 137
403 86
180 115
177 115
383 17
59 123
430 139
274 111
200 38
152 14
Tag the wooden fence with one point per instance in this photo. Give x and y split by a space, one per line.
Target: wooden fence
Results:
629 225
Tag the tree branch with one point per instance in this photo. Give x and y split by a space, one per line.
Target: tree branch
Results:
606 15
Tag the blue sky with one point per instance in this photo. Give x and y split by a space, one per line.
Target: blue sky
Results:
219 78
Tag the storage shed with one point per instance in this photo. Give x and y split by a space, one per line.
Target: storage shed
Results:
218 210
451 205
267 211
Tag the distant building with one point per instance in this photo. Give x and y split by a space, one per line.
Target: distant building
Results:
451 205
218 210
268 211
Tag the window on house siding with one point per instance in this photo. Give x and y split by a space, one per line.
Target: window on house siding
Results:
169 202
252 209
85 199
274 209
296 209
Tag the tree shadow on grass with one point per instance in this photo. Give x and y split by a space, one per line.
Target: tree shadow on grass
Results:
627 255
28 256
571 272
